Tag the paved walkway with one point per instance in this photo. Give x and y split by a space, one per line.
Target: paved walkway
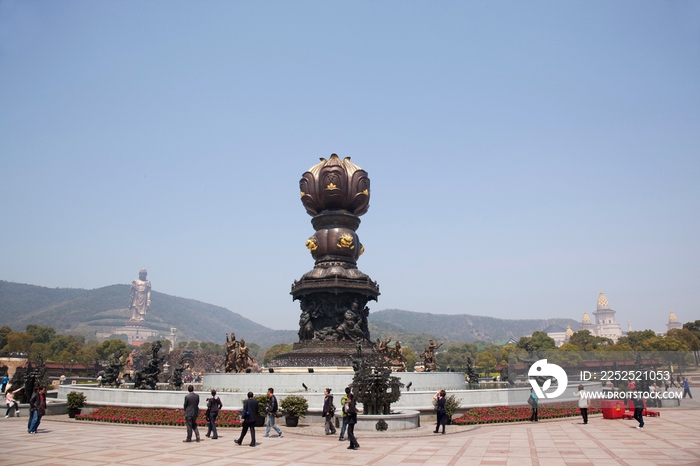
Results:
672 439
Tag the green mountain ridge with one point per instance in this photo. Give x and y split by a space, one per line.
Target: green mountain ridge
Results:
458 327
103 310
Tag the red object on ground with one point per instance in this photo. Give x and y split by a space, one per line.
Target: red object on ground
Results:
613 409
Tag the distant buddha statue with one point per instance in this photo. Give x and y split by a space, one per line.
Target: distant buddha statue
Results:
140 297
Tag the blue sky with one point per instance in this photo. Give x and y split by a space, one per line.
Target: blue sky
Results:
523 156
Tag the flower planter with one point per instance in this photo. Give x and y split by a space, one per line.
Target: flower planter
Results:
291 421
72 412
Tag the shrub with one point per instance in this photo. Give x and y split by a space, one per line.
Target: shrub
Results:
294 406
75 400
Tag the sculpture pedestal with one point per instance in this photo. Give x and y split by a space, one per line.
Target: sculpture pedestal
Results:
317 355
137 332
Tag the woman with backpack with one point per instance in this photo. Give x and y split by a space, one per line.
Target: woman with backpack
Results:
533 400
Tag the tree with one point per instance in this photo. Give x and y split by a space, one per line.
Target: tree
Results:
411 358
109 347
40 350
540 341
193 345
486 362
636 339
4 331
664 344
275 350
88 355
694 327
181 345
254 349
70 343
213 348
455 357
584 341
687 336
18 342
41 334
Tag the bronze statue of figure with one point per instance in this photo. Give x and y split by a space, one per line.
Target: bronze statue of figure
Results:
430 362
398 360
243 356
306 327
351 328
231 346
382 345
148 377
140 297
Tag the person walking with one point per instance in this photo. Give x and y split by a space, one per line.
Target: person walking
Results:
214 404
271 413
350 409
582 403
533 401
638 402
191 414
343 415
439 397
11 402
37 405
686 388
4 382
329 412
250 417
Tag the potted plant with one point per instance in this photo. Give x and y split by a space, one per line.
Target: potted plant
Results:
294 407
75 401
263 402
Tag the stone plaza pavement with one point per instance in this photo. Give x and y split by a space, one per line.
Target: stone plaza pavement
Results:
672 439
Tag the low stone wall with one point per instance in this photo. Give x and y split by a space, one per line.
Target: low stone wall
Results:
317 382
412 400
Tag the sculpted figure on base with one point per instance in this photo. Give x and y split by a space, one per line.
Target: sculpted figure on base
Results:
238 357
429 361
140 297
231 346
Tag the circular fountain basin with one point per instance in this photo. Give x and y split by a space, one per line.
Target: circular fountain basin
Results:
404 419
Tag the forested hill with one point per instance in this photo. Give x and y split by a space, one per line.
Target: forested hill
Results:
459 327
104 309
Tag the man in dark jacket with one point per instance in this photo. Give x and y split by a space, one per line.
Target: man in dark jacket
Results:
191 413
639 409
271 413
250 417
214 404
37 407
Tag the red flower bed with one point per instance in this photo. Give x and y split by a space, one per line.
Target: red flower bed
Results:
153 416
496 414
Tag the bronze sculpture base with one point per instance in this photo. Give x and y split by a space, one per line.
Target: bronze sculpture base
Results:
318 353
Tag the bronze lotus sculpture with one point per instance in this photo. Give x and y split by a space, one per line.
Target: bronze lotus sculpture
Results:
333 295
